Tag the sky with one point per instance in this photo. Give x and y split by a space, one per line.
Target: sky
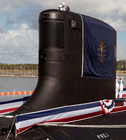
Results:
19 25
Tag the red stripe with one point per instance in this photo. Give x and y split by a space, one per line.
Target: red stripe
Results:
123 108
124 95
24 129
8 110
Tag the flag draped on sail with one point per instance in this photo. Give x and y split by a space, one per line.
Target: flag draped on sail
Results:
97 49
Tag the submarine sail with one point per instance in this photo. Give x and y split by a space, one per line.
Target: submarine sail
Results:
76 61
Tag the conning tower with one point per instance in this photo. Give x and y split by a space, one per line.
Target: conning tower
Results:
77 61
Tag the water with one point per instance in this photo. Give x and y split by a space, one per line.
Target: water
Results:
11 84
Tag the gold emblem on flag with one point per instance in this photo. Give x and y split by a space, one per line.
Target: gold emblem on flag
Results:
101 51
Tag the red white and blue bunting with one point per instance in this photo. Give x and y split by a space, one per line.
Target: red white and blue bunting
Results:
67 114
107 106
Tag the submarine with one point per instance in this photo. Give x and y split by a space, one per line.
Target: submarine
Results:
75 94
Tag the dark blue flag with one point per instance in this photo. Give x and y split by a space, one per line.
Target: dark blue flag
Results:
97 50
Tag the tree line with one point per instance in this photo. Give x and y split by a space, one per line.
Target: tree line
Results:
121 65
4 65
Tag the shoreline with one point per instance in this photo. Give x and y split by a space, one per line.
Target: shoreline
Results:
120 72
19 76
33 76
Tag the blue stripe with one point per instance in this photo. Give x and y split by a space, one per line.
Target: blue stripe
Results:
16 100
54 111
124 89
118 100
